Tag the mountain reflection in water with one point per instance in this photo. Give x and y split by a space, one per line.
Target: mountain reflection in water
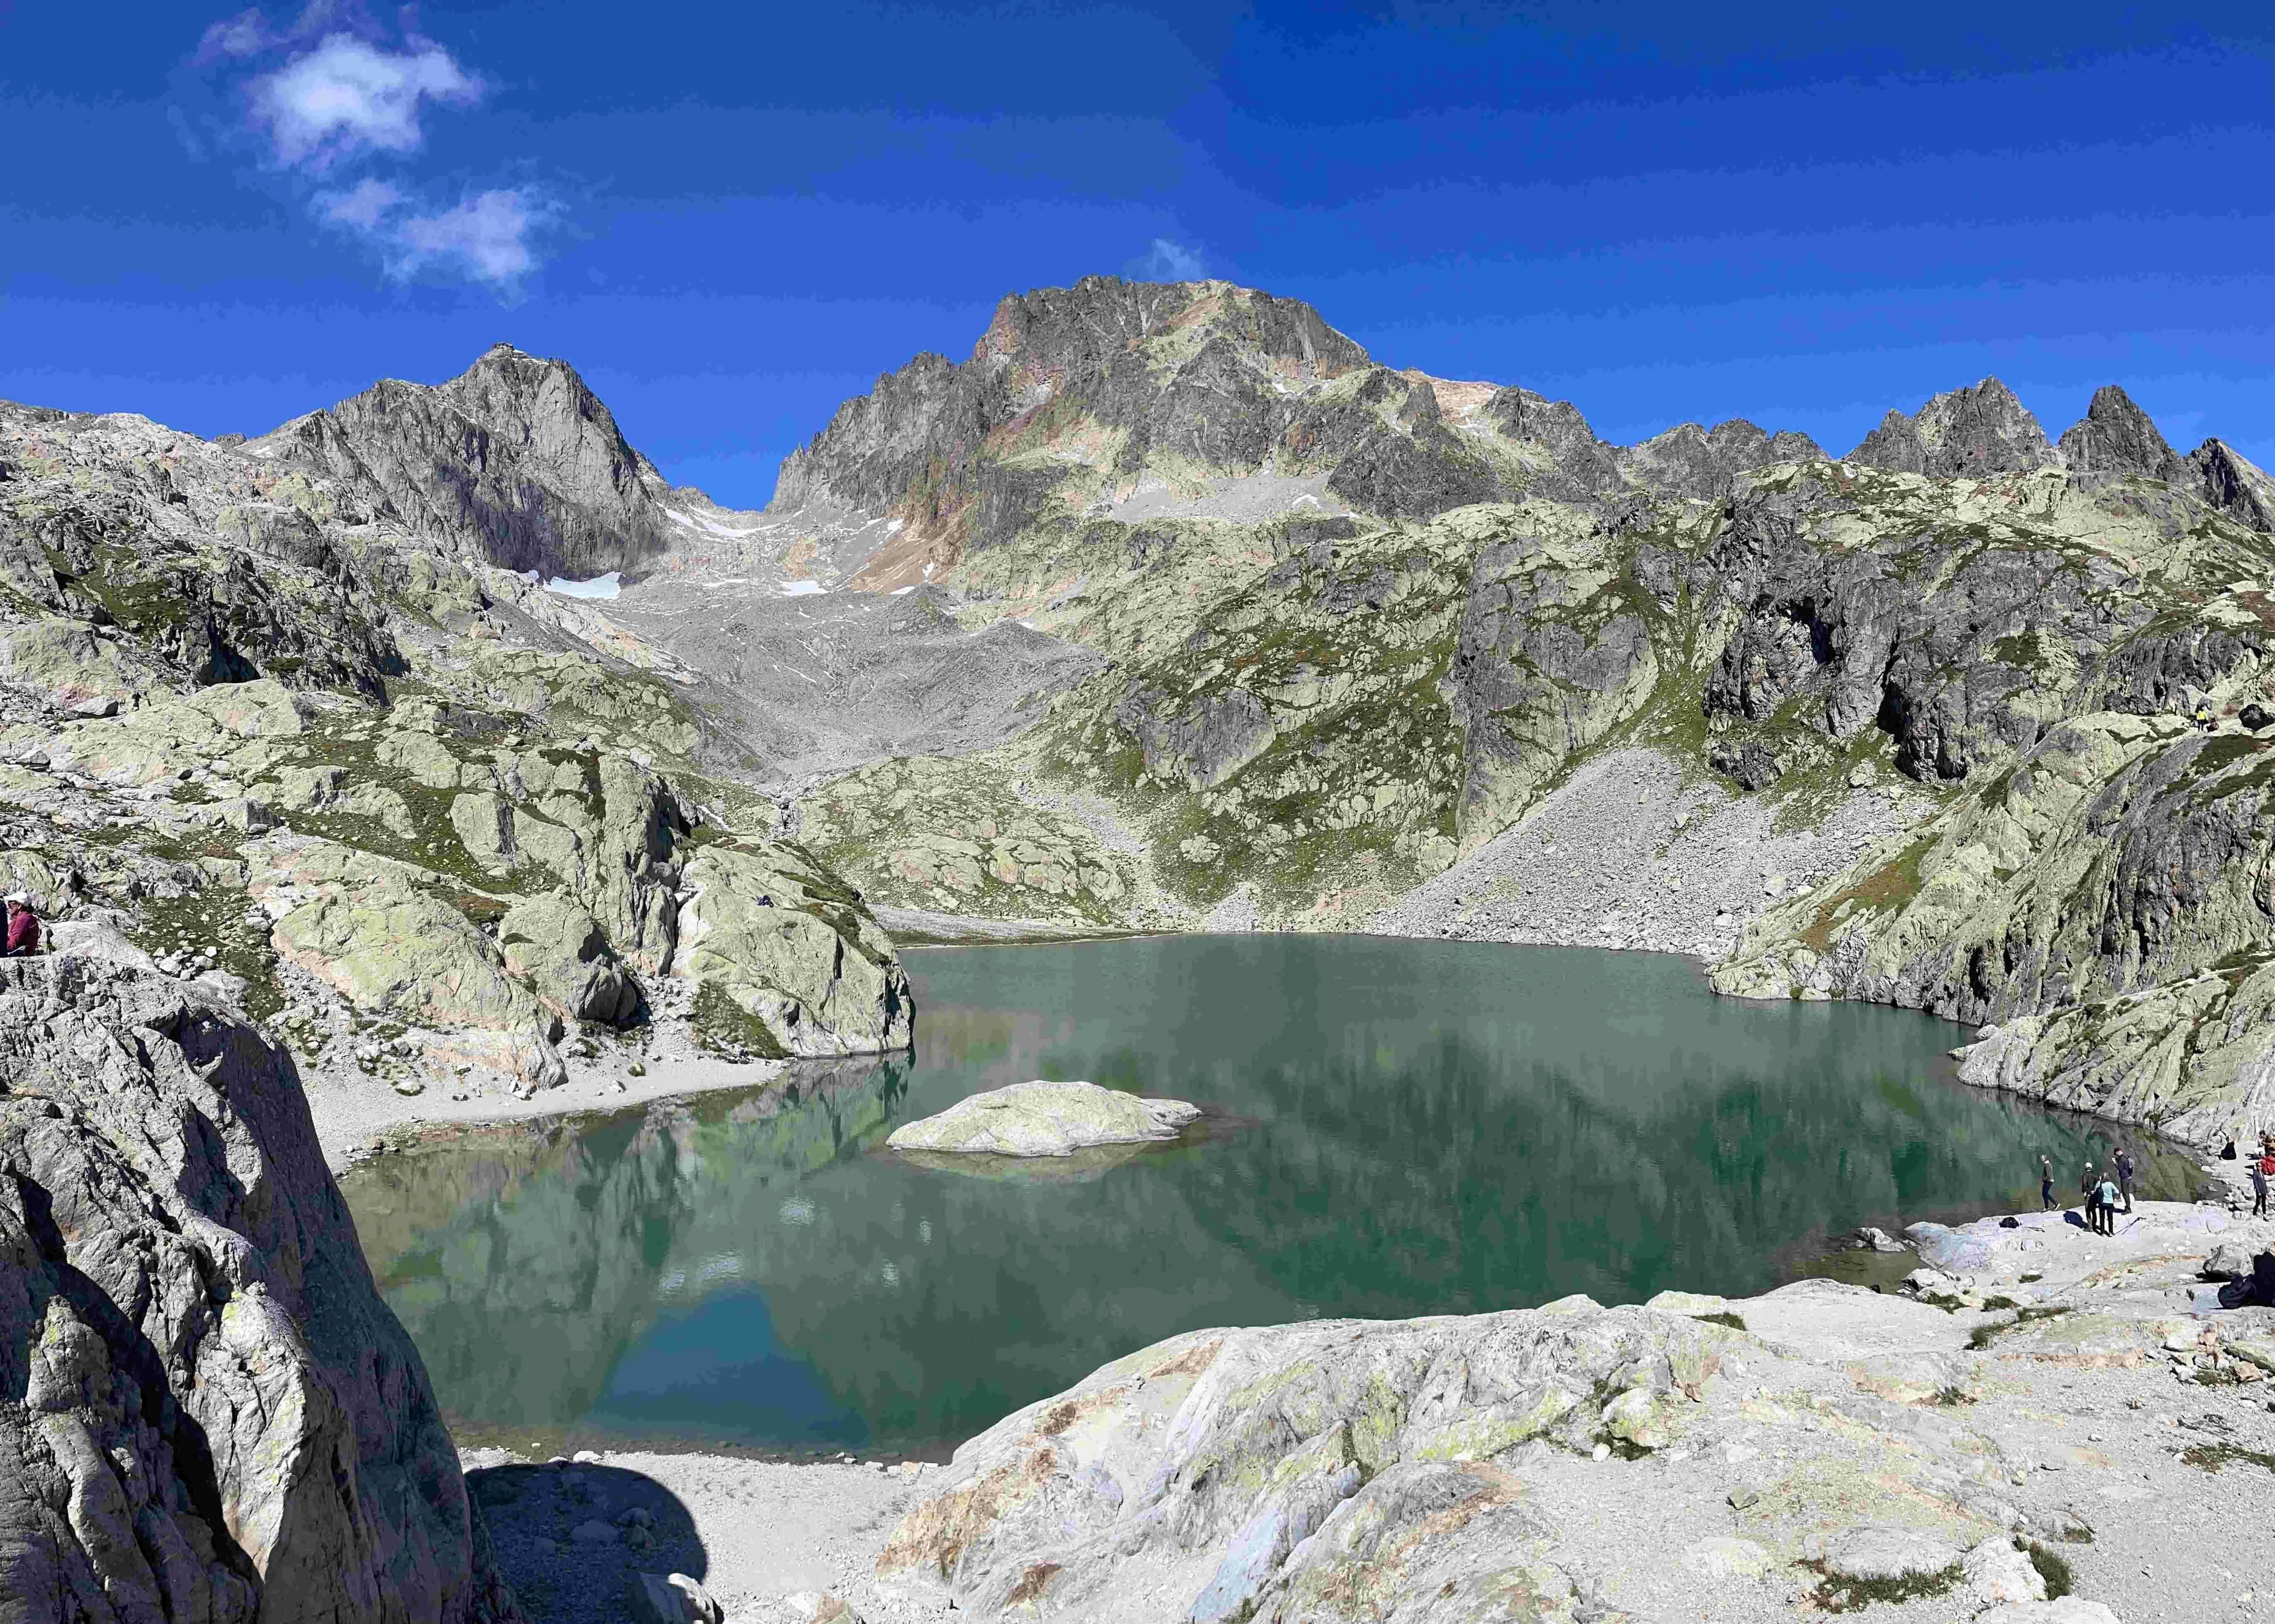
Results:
1410 1128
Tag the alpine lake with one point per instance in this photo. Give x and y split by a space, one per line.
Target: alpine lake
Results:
1395 1129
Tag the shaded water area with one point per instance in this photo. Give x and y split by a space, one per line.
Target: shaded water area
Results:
1401 1128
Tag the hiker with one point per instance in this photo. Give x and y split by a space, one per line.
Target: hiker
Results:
2107 1197
2125 1175
23 927
2228 1150
2046 1184
2261 1170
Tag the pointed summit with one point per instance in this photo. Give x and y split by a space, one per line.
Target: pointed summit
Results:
514 459
2116 437
1961 435
2236 487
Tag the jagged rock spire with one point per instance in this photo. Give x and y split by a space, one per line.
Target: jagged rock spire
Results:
1960 434
2116 437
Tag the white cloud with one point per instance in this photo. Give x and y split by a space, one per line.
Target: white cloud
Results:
487 237
348 97
340 104
1170 262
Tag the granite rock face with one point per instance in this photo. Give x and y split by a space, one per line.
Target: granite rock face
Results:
514 459
212 1415
1689 460
1964 433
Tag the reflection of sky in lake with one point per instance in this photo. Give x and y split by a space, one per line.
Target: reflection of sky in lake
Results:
721 1355
1422 1127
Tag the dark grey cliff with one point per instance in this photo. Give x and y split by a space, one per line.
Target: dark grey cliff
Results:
514 459
1962 434
2117 437
2234 487
206 1412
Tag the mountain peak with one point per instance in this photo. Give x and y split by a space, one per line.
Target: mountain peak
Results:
2116 437
1960 434
514 459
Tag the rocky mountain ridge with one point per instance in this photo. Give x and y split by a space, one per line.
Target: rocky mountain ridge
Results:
1187 610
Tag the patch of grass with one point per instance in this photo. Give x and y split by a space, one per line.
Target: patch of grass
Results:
1985 1335
1724 1318
2032 1278
2052 1567
1885 890
1949 1398
214 916
2000 1302
2213 1457
1839 1595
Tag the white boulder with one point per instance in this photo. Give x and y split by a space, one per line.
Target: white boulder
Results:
1045 1119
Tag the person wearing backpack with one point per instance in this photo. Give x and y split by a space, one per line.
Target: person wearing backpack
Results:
2263 1169
2107 1197
2125 1176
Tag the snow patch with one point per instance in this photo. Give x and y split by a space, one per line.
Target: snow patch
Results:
900 591
696 521
802 589
599 586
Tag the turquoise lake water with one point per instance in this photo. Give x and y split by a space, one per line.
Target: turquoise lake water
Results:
1398 1127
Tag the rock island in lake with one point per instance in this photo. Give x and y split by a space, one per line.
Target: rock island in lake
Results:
1045 1119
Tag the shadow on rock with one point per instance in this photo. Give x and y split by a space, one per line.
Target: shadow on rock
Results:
569 1539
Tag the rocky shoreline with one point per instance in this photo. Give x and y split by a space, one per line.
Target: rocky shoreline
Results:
2070 1395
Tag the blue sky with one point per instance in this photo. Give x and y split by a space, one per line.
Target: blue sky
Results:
730 217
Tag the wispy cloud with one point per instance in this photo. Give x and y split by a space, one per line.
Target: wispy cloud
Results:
1170 262
486 237
341 104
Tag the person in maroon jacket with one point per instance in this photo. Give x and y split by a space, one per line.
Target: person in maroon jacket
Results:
23 927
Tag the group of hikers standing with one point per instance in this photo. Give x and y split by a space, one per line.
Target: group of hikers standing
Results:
2261 1165
2098 1190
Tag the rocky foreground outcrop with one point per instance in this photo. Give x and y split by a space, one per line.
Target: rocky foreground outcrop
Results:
1823 1447
206 1412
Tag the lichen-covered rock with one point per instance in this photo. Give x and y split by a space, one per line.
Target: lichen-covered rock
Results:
791 960
214 1418
1343 1469
1045 1119
551 942
389 941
